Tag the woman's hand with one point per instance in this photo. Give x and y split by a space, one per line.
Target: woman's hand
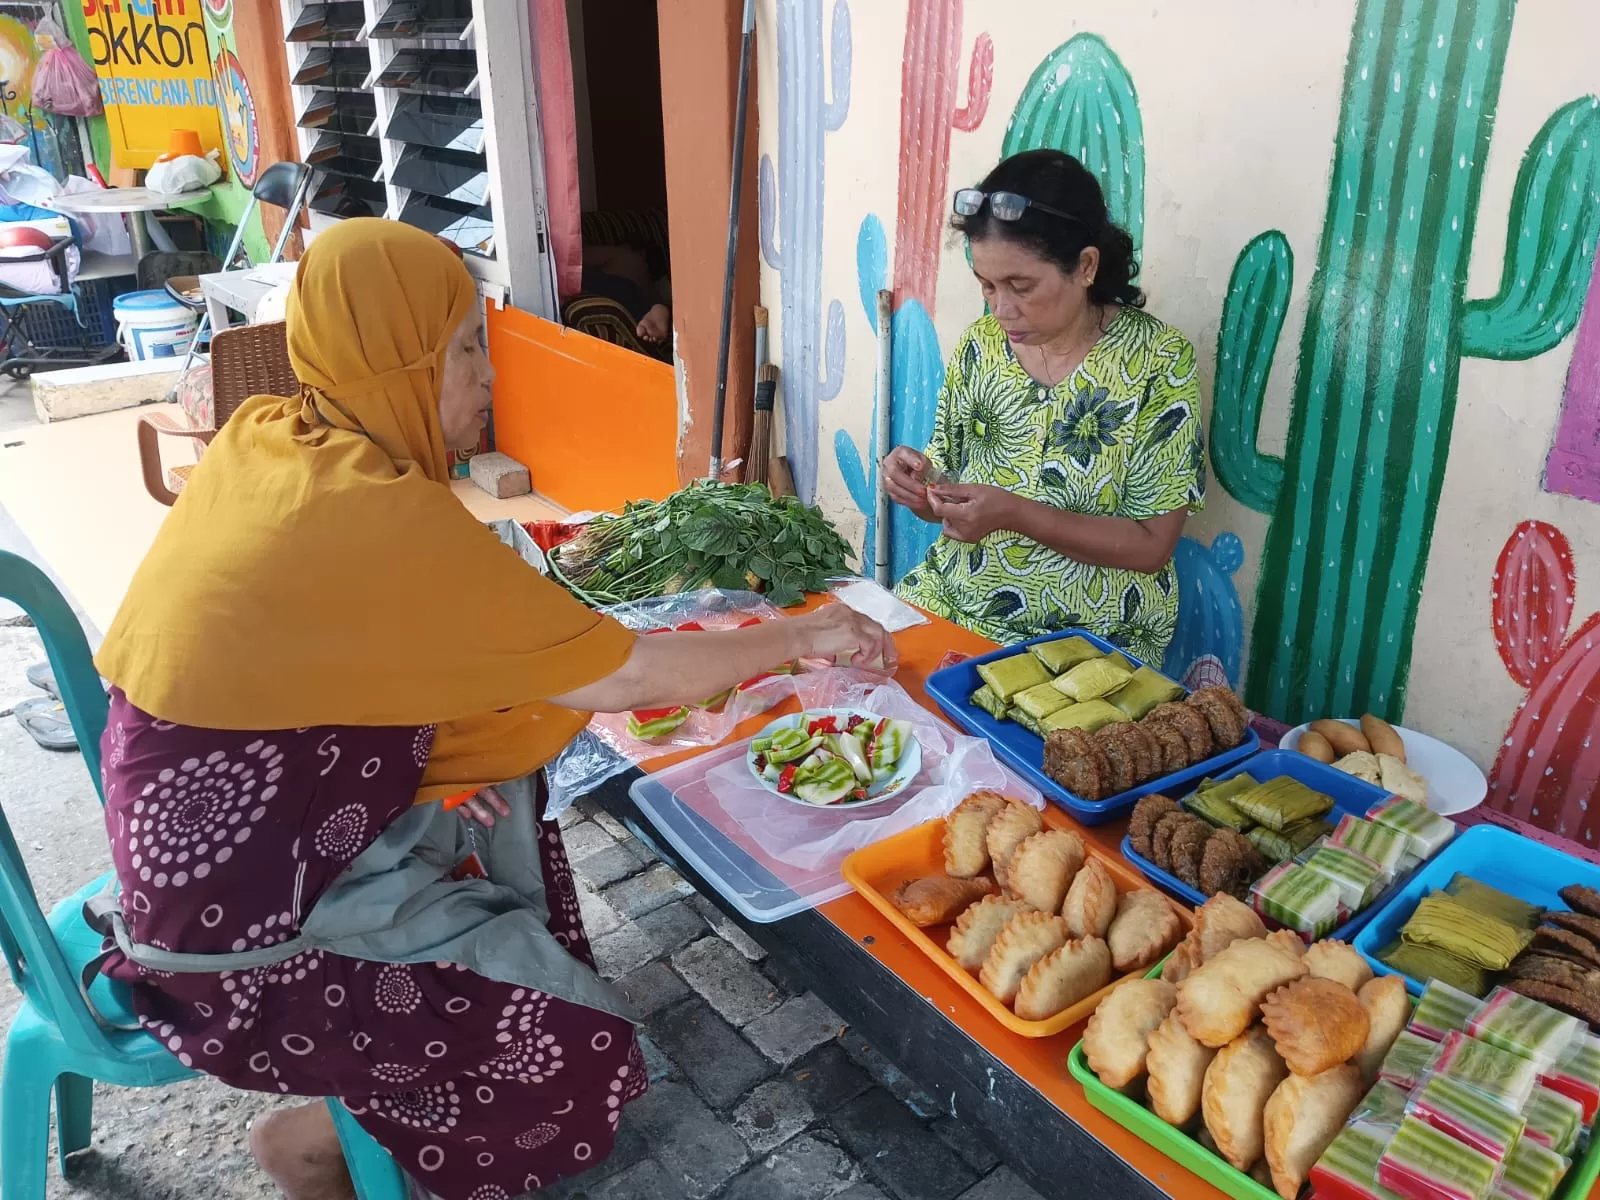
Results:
970 512
483 807
835 630
903 469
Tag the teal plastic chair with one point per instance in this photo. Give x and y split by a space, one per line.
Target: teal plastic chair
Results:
55 1047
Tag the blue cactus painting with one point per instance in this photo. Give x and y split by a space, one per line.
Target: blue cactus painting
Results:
791 201
1210 616
1353 501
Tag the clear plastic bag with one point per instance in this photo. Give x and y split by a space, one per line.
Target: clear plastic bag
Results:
62 82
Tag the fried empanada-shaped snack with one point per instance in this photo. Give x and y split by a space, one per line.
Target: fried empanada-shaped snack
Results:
1144 929
1027 938
1234 1097
1288 939
1388 1011
1302 1118
1339 962
1008 829
1062 978
1091 901
938 899
1043 868
976 929
1177 1066
1222 921
1316 1024
1183 960
1222 996
966 848
1118 1035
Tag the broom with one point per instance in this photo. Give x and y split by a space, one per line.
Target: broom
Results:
757 466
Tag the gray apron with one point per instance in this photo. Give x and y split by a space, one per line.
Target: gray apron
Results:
397 903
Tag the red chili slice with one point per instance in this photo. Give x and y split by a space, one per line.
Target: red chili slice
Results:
823 725
750 624
690 627
786 778
645 715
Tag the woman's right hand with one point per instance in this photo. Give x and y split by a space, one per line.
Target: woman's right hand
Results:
836 630
903 469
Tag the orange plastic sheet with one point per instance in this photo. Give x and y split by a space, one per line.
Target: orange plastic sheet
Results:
1041 1062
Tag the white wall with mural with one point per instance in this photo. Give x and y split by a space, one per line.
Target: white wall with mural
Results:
1376 219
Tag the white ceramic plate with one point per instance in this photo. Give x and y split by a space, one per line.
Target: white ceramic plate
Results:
905 771
1454 782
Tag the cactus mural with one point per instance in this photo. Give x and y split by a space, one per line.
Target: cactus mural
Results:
1548 767
1081 100
1210 617
1353 501
1573 468
791 220
929 74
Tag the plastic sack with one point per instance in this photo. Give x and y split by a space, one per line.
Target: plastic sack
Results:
872 599
810 838
62 82
103 233
185 173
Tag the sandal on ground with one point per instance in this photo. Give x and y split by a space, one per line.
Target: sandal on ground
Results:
45 719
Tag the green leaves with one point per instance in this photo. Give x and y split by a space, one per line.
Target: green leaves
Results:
708 534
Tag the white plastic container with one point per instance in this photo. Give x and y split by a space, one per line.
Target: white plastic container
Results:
152 324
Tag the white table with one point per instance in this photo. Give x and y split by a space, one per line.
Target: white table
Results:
228 292
131 202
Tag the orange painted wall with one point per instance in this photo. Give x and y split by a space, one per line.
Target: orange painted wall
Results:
596 425
699 83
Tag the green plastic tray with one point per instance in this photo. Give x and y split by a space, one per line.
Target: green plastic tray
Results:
1187 1152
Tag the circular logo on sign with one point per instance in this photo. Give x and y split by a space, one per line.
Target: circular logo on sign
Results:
238 117
220 14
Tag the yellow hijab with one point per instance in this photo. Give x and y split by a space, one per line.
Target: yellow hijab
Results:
317 570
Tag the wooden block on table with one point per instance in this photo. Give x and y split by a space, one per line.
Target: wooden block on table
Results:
500 475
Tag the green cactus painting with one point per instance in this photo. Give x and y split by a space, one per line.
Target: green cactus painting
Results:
1354 499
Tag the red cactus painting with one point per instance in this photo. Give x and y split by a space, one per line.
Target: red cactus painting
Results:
1548 767
929 75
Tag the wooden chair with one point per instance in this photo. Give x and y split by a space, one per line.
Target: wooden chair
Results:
246 360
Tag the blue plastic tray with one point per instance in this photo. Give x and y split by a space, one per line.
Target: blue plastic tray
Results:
1023 752
1518 866
1350 795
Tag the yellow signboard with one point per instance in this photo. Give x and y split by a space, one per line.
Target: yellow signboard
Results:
155 75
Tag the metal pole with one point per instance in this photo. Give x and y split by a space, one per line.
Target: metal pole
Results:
735 193
883 405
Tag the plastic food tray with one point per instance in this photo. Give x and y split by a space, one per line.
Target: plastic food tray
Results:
1216 1171
1024 752
1350 795
1518 866
877 869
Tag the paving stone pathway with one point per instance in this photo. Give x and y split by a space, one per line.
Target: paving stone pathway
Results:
758 1090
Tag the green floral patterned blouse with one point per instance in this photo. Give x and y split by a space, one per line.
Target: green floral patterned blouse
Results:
1120 437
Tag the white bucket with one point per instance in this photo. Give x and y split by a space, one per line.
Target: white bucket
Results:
153 325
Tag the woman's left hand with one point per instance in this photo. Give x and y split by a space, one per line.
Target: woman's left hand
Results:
483 807
970 512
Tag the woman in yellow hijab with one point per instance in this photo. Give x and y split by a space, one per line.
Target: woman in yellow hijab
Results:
321 643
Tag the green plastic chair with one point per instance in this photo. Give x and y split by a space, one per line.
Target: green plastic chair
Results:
55 1045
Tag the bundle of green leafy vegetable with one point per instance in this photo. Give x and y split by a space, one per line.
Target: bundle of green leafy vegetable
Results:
724 535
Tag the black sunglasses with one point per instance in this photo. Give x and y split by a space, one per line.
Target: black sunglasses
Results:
1005 206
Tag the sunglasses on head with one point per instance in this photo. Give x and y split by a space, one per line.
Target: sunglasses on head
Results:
1004 206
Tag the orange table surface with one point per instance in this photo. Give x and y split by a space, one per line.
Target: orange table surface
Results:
1041 1062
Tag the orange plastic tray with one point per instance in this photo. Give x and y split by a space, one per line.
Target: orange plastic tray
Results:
878 869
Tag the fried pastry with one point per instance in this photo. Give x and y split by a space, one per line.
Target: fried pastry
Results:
1008 829
1222 996
1184 958
938 899
966 846
1289 940
1222 921
1144 929
1170 742
1063 977
1118 1035
1177 1067
1581 899
1339 962
1302 1118
1091 901
1043 868
1189 722
1027 938
1316 1024
977 928
1238 1084
1388 1011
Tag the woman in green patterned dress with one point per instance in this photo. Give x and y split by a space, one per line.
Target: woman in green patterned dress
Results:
1067 449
